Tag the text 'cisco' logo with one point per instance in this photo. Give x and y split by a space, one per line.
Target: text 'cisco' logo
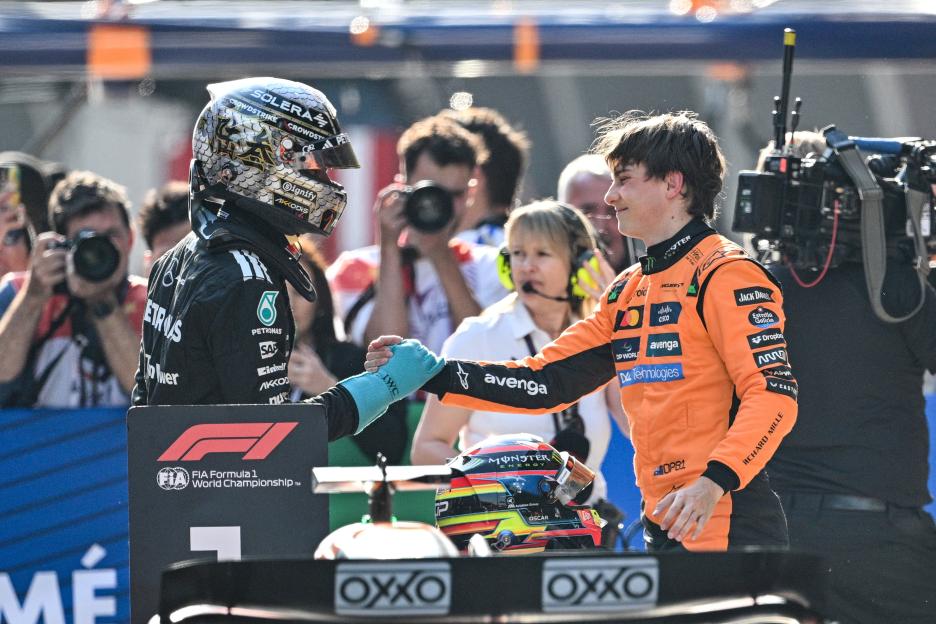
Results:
393 588
600 584
255 440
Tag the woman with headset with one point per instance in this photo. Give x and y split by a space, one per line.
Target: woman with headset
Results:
548 245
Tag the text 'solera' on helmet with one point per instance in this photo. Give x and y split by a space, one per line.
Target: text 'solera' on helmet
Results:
265 144
514 490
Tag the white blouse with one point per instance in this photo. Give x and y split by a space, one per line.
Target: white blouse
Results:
498 334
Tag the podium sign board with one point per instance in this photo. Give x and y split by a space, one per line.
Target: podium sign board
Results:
221 482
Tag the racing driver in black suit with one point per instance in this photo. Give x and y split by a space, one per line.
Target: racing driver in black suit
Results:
218 326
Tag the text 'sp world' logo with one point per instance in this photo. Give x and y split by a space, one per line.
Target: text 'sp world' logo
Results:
626 349
255 440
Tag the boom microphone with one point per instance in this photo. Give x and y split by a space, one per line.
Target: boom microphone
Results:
529 288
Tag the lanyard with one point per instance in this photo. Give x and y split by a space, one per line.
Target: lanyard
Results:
568 417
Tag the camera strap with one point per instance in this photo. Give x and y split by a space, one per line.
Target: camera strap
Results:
873 239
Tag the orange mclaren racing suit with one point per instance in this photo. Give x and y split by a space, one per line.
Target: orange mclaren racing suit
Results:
693 336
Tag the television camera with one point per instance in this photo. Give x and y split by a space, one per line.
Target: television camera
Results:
854 199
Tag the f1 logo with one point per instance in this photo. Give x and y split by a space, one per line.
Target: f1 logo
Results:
255 440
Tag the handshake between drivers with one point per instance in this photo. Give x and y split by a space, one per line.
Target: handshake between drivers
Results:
389 380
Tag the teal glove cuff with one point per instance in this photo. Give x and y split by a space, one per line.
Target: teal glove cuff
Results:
411 366
372 394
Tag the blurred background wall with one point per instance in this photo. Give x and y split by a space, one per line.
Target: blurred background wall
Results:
115 86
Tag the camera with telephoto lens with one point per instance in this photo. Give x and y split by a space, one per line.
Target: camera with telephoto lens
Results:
94 256
429 207
800 207
867 200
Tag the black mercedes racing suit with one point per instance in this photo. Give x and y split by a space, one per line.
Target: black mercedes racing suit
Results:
218 330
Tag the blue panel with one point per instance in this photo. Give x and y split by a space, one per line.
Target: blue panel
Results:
63 494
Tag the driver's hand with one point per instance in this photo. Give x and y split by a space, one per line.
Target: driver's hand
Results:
379 352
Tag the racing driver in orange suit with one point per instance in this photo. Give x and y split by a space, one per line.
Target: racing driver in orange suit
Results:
693 334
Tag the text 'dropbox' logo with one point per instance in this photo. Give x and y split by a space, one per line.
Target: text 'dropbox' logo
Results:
393 588
600 584
254 440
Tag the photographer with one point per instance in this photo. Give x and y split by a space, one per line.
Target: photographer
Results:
430 282
497 178
70 325
24 204
852 475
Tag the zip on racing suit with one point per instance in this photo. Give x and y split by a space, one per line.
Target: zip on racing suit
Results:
693 335
218 328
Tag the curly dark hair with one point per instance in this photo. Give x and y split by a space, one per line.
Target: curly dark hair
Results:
82 193
162 208
507 150
446 142
666 143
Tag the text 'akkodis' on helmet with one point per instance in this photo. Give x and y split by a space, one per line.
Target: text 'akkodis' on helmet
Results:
264 145
514 490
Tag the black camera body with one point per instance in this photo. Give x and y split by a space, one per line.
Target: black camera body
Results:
94 256
799 206
429 206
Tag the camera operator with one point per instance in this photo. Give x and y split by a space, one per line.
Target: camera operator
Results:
852 475
429 282
71 328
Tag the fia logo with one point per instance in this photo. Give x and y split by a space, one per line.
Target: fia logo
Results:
266 309
176 478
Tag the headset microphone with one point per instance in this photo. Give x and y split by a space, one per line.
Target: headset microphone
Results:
529 288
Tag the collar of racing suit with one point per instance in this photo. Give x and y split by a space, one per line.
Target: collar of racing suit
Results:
667 253
226 230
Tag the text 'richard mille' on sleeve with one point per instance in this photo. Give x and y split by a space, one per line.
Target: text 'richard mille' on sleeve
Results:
575 364
743 310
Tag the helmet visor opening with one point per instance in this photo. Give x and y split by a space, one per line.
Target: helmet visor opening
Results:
333 153
573 477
